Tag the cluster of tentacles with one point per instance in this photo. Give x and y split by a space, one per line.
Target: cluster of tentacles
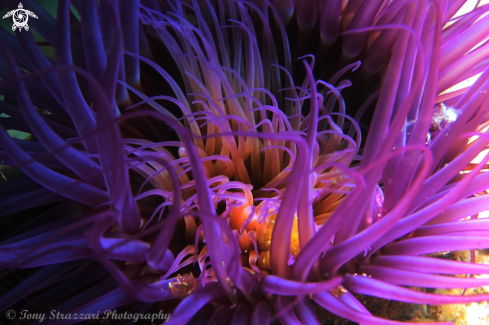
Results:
187 159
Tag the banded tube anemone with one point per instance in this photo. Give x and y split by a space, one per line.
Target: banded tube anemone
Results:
205 158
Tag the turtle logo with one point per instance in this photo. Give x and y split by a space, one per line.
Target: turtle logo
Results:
20 17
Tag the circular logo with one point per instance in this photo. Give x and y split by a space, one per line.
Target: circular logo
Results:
20 18
10 314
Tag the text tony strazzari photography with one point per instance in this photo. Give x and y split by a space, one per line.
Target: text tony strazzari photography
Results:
108 314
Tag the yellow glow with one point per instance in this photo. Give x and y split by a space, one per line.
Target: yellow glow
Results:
468 171
483 215
480 156
466 8
464 84
477 314
475 137
265 238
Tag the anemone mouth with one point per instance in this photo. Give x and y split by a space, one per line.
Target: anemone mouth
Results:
214 155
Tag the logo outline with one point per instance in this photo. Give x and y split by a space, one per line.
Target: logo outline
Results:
20 17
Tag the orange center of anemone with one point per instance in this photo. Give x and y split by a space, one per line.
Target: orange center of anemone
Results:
260 233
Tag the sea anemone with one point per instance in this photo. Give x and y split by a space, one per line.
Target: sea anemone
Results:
205 158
